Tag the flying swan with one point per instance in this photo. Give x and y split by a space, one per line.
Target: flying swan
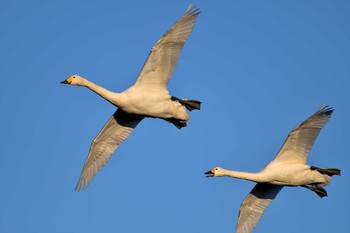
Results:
147 97
288 168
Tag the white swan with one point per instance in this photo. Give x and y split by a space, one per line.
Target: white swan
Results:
147 97
287 169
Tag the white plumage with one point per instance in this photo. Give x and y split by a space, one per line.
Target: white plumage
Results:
288 168
147 97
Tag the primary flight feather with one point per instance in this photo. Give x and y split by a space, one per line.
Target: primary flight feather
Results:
147 97
288 168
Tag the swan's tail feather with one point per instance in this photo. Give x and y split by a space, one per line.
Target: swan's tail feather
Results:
327 171
318 189
189 104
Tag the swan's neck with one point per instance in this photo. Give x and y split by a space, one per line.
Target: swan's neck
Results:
112 97
244 175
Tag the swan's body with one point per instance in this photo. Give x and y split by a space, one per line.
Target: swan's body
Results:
147 97
287 169
150 102
283 174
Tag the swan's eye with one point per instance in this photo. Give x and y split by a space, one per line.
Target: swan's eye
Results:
73 76
216 169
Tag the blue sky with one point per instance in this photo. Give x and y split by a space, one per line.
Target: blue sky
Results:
259 67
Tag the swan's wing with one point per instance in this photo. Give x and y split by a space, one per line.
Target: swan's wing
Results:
301 139
254 205
115 131
164 55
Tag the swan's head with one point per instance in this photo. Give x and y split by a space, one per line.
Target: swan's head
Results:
74 80
216 171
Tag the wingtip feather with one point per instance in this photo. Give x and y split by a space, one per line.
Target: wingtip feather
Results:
325 110
192 10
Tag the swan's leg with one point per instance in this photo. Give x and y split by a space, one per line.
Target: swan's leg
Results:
178 123
189 104
318 189
327 171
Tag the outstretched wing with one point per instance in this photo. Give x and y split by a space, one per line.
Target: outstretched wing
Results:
164 55
116 130
254 205
300 140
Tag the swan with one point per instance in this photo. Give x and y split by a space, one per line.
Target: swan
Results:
288 168
147 97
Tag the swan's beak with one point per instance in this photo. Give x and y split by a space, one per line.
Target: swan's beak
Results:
209 173
68 80
65 82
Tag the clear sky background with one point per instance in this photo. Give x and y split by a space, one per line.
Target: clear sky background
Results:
259 67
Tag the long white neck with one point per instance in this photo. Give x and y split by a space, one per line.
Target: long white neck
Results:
256 177
112 97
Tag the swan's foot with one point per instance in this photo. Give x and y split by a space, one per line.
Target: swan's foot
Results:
189 104
318 189
178 123
327 171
